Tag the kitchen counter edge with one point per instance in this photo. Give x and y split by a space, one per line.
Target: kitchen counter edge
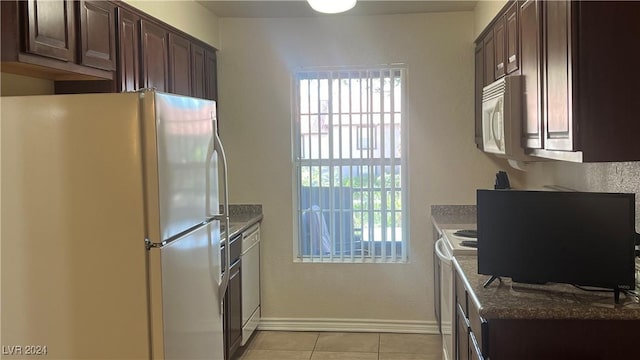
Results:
507 300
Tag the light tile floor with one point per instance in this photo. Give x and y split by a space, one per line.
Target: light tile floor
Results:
286 345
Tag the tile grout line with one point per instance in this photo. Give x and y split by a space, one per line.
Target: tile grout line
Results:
314 345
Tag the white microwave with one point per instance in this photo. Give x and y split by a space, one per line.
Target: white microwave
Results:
502 117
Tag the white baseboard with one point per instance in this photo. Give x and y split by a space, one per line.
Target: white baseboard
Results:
349 325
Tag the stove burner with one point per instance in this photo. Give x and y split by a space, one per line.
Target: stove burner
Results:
467 233
469 243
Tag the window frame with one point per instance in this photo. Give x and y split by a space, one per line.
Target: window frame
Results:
297 152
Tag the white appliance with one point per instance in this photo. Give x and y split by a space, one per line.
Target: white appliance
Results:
110 237
446 247
250 257
502 118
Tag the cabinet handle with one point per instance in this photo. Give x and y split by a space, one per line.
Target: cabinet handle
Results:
512 58
500 66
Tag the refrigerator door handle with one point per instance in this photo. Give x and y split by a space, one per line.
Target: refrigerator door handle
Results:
217 146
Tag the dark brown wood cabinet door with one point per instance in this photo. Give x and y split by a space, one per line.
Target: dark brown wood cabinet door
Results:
478 85
489 59
154 56
179 65
513 49
128 51
97 34
50 29
210 75
606 102
499 37
197 71
558 74
234 312
530 29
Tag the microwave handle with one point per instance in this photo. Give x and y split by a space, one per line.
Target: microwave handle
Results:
493 128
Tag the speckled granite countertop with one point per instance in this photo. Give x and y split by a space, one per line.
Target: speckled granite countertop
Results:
242 217
508 300
453 216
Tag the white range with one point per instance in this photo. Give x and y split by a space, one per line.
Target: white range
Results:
449 244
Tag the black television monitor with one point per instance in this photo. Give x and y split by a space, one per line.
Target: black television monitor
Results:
580 238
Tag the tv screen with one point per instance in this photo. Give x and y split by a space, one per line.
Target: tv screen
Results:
580 238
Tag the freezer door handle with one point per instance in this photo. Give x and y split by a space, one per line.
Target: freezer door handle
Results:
217 146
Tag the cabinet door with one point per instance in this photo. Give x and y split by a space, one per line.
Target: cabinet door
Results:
179 65
234 312
97 34
51 29
499 37
558 74
530 26
155 55
210 75
478 85
197 71
512 45
129 56
489 59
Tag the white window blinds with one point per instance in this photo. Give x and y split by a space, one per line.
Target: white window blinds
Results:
348 140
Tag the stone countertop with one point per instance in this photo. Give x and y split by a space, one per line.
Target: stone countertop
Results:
507 300
242 217
453 217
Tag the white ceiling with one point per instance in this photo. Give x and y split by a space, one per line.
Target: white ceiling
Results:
300 8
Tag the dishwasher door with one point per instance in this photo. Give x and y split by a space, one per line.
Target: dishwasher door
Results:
250 282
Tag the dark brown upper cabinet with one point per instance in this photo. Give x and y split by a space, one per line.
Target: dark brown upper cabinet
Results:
50 29
499 37
579 98
559 129
179 65
128 51
210 75
58 40
506 42
489 58
97 34
590 98
197 71
478 85
89 46
530 33
155 56
512 42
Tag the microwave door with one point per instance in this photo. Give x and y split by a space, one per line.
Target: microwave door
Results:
493 125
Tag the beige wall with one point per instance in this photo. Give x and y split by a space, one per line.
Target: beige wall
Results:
17 85
444 165
186 15
483 13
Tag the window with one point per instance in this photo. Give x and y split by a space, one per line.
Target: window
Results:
350 170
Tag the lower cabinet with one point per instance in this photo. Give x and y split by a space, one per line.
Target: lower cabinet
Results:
469 324
532 338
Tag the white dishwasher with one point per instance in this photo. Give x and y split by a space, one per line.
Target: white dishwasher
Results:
250 260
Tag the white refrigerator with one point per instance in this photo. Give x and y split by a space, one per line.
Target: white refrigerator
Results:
111 227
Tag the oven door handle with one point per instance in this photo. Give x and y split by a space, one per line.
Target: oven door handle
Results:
441 252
